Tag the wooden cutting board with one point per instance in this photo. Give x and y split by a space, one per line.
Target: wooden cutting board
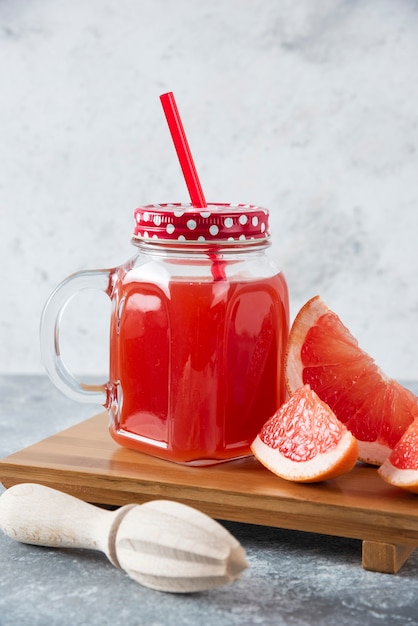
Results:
85 461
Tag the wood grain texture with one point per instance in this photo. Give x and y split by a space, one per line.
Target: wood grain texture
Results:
384 557
84 461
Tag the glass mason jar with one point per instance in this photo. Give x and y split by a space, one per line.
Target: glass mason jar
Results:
198 330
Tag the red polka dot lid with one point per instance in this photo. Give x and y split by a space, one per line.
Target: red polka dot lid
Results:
216 222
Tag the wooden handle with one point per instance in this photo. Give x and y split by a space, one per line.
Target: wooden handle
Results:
36 514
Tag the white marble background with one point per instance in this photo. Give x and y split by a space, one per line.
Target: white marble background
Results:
308 108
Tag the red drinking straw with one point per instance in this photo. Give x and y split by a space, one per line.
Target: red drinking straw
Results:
183 151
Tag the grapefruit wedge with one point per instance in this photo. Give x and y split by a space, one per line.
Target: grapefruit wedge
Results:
401 467
323 353
304 441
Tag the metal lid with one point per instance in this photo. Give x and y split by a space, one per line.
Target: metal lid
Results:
214 223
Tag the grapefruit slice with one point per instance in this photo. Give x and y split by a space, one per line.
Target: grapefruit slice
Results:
401 467
304 441
323 353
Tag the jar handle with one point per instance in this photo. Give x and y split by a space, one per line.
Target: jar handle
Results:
63 379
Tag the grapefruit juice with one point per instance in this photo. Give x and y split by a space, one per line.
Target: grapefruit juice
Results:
196 368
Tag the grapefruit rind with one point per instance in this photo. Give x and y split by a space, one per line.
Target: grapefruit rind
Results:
307 316
323 466
403 478
372 452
